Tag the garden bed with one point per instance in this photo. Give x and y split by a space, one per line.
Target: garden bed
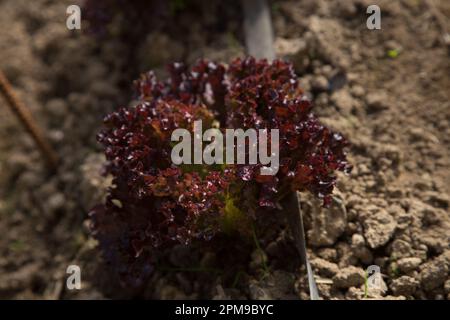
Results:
386 90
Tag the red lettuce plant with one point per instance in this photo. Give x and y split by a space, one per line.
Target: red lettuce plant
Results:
155 204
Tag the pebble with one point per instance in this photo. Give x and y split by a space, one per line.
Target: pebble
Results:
324 267
343 101
357 91
377 101
404 285
319 83
379 228
56 201
349 277
406 265
433 274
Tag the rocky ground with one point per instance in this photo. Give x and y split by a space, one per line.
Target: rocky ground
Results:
387 90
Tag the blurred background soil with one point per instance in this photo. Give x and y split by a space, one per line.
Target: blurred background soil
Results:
387 90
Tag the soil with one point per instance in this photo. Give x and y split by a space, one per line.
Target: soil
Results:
387 90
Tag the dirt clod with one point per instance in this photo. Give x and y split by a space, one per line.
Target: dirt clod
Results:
349 277
404 285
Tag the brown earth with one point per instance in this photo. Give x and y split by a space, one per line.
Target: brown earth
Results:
387 90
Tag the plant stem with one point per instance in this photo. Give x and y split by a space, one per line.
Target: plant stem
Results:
365 285
27 120
258 247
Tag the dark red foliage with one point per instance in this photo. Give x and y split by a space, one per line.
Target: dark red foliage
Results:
264 95
155 204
